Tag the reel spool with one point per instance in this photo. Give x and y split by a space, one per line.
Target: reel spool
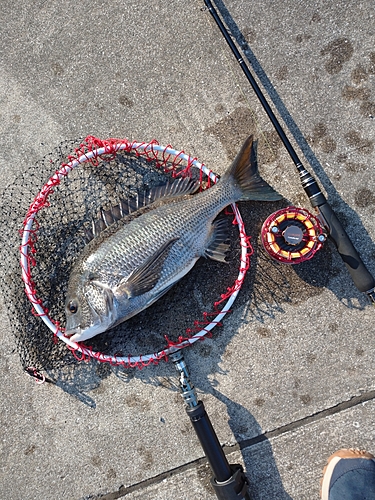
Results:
292 235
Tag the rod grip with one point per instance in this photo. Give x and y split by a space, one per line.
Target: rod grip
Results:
361 277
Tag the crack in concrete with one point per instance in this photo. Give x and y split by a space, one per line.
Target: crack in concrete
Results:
319 415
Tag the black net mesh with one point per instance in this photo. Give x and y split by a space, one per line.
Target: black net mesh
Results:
60 238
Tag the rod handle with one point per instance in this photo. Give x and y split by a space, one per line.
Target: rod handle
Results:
361 277
209 442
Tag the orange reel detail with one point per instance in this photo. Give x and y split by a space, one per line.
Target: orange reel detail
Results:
292 235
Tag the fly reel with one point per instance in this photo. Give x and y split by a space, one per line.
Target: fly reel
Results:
292 235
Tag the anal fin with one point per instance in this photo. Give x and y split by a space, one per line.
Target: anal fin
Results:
219 245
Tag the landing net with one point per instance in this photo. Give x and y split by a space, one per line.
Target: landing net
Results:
95 176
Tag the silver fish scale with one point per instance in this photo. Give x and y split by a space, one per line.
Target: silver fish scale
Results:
188 219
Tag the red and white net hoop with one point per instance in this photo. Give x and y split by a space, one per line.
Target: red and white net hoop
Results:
93 150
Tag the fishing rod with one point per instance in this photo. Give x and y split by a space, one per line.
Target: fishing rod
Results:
361 277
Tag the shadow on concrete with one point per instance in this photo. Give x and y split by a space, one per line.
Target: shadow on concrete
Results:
260 466
347 216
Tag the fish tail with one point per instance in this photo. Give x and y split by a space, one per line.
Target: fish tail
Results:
244 176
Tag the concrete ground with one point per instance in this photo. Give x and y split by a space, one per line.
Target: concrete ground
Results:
289 378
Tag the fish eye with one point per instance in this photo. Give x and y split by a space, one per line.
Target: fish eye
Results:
73 306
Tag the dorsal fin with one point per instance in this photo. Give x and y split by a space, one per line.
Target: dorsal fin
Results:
125 208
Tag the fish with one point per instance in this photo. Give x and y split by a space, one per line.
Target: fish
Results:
137 253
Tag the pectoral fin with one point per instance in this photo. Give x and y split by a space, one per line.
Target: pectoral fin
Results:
145 277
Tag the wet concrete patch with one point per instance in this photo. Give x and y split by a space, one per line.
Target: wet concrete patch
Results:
359 75
233 129
339 51
354 139
351 166
357 91
320 137
364 197
351 93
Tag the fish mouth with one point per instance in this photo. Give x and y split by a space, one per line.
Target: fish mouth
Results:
72 333
77 334
77 329
76 337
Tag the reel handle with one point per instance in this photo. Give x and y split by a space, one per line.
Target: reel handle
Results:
361 277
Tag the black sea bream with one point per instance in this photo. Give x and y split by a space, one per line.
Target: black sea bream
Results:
129 266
